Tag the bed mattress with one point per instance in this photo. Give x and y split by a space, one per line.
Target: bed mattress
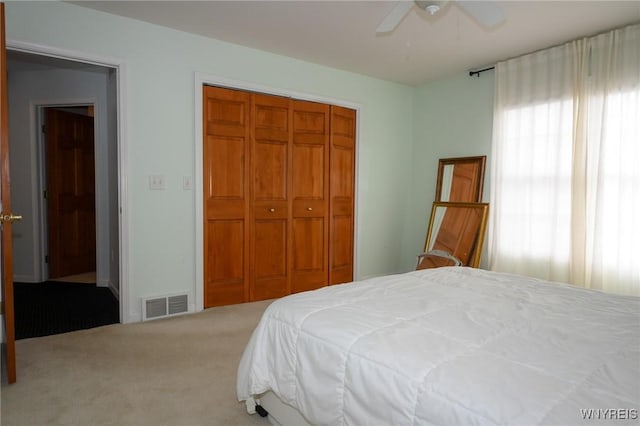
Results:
449 346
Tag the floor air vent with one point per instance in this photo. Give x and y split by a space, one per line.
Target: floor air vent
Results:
164 306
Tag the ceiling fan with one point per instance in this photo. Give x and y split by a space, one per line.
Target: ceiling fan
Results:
487 13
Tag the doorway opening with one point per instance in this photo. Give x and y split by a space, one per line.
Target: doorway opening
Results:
63 140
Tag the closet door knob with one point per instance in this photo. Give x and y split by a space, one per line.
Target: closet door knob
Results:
272 210
309 208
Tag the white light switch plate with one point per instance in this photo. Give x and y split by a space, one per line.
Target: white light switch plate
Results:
187 183
157 182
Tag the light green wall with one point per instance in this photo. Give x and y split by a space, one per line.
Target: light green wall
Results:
452 117
160 135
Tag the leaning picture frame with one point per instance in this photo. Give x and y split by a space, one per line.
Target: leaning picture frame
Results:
460 179
458 229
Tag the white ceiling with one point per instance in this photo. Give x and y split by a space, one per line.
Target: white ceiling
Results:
341 34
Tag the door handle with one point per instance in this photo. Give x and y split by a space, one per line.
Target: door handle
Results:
10 217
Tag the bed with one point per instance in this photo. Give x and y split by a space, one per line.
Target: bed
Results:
452 345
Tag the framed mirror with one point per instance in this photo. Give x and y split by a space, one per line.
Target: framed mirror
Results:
460 179
456 230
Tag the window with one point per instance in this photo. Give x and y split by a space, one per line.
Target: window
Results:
566 170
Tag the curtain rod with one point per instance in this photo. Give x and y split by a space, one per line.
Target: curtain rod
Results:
477 72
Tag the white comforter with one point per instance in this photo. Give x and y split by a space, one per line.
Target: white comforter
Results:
449 346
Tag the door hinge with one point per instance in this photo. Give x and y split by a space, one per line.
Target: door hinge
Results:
44 129
1 307
46 259
44 194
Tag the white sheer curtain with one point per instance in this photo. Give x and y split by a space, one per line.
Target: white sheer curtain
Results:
565 202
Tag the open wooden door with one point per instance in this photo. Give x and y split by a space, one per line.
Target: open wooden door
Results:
6 217
70 193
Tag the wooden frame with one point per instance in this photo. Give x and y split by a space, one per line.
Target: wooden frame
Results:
466 248
472 183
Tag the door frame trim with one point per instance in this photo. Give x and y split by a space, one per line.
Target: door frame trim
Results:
202 79
120 67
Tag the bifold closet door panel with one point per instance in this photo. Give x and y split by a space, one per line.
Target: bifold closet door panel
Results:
342 190
270 182
310 192
226 150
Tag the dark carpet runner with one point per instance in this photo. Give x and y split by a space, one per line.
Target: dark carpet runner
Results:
55 307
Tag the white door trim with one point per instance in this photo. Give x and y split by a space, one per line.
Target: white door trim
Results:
202 79
123 153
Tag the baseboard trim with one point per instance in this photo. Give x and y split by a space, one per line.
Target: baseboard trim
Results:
134 317
103 283
114 289
25 279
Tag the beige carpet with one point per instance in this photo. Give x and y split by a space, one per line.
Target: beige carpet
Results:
175 371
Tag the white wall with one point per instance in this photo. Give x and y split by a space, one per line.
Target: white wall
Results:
452 117
27 90
159 134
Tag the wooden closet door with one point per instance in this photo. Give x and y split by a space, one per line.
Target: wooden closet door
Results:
71 193
310 192
226 153
343 162
270 223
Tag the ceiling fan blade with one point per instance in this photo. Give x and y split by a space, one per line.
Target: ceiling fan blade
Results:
487 13
391 21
